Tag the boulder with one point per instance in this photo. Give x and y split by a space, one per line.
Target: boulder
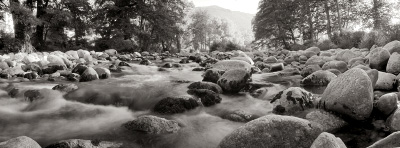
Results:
387 104
393 65
292 100
152 125
4 65
276 67
226 65
174 105
20 142
393 140
318 78
329 122
334 71
145 62
350 94
373 75
239 116
233 81
33 95
318 60
339 65
386 81
273 131
327 140
393 121
79 69
111 52
56 60
80 143
346 55
66 87
89 75
314 49
393 47
207 97
212 75
206 85
270 60
309 69
104 73
378 58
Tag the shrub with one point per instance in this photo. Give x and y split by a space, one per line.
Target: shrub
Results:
297 47
217 46
118 44
232 46
9 43
394 32
374 38
326 45
357 38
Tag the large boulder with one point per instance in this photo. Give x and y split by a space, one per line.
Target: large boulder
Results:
319 78
20 142
327 140
173 105
273 131
111 52
393 65
89 75
292 100
318 60
80 143
55 60
234 80
387 104
393 140
350 94
393 121
386 81
339 65
378 58
207 97
66 88
314 49
226 65
206 85
393 46
239 116
373 75
328 121
153 125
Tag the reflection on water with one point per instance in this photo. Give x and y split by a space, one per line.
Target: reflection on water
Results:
98 108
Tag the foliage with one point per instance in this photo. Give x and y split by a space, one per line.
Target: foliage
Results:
326 45
374 38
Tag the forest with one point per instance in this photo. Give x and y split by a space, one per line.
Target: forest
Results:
174 25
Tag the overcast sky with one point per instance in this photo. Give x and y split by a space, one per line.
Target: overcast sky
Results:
248 6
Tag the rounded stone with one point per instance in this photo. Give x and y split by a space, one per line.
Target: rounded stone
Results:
309 69
318 78
339 65
327 140
292 100
153 125
206 85
233 81
387 103
393 65
378 58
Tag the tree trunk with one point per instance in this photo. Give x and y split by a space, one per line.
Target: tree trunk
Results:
310 22
40 28
328 18
338 16
376 15
19 26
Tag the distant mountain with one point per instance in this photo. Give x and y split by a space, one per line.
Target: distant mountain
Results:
240 19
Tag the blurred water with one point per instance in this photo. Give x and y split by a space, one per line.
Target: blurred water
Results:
98 108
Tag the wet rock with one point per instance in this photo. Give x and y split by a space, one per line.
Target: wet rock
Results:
350 94
270 60
73 77
122 63
329 122
89 75
153 125
56 60
378 58
319 78
66 87
111 52
318 60
20 142
387 104
309 70
212 75
33 95
392 47
239 116
4 65
145 62
292 100
103 73
276 67
232 64
315 50
114 68
31 75
327 140
79 69
393 65
80 143
393 140
339 65
174 105
199 69
386 81
167 65
207 97
233 81
206 85
273 131
184 61
13 92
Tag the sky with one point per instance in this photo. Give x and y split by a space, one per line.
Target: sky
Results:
247 6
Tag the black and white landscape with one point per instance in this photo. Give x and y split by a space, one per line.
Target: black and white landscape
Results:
199 74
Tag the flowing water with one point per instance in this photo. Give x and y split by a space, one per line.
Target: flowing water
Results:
97 109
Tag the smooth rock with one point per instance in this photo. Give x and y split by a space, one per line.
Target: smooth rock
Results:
233 81
153 125
292 100
327 140
20 142
318 78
